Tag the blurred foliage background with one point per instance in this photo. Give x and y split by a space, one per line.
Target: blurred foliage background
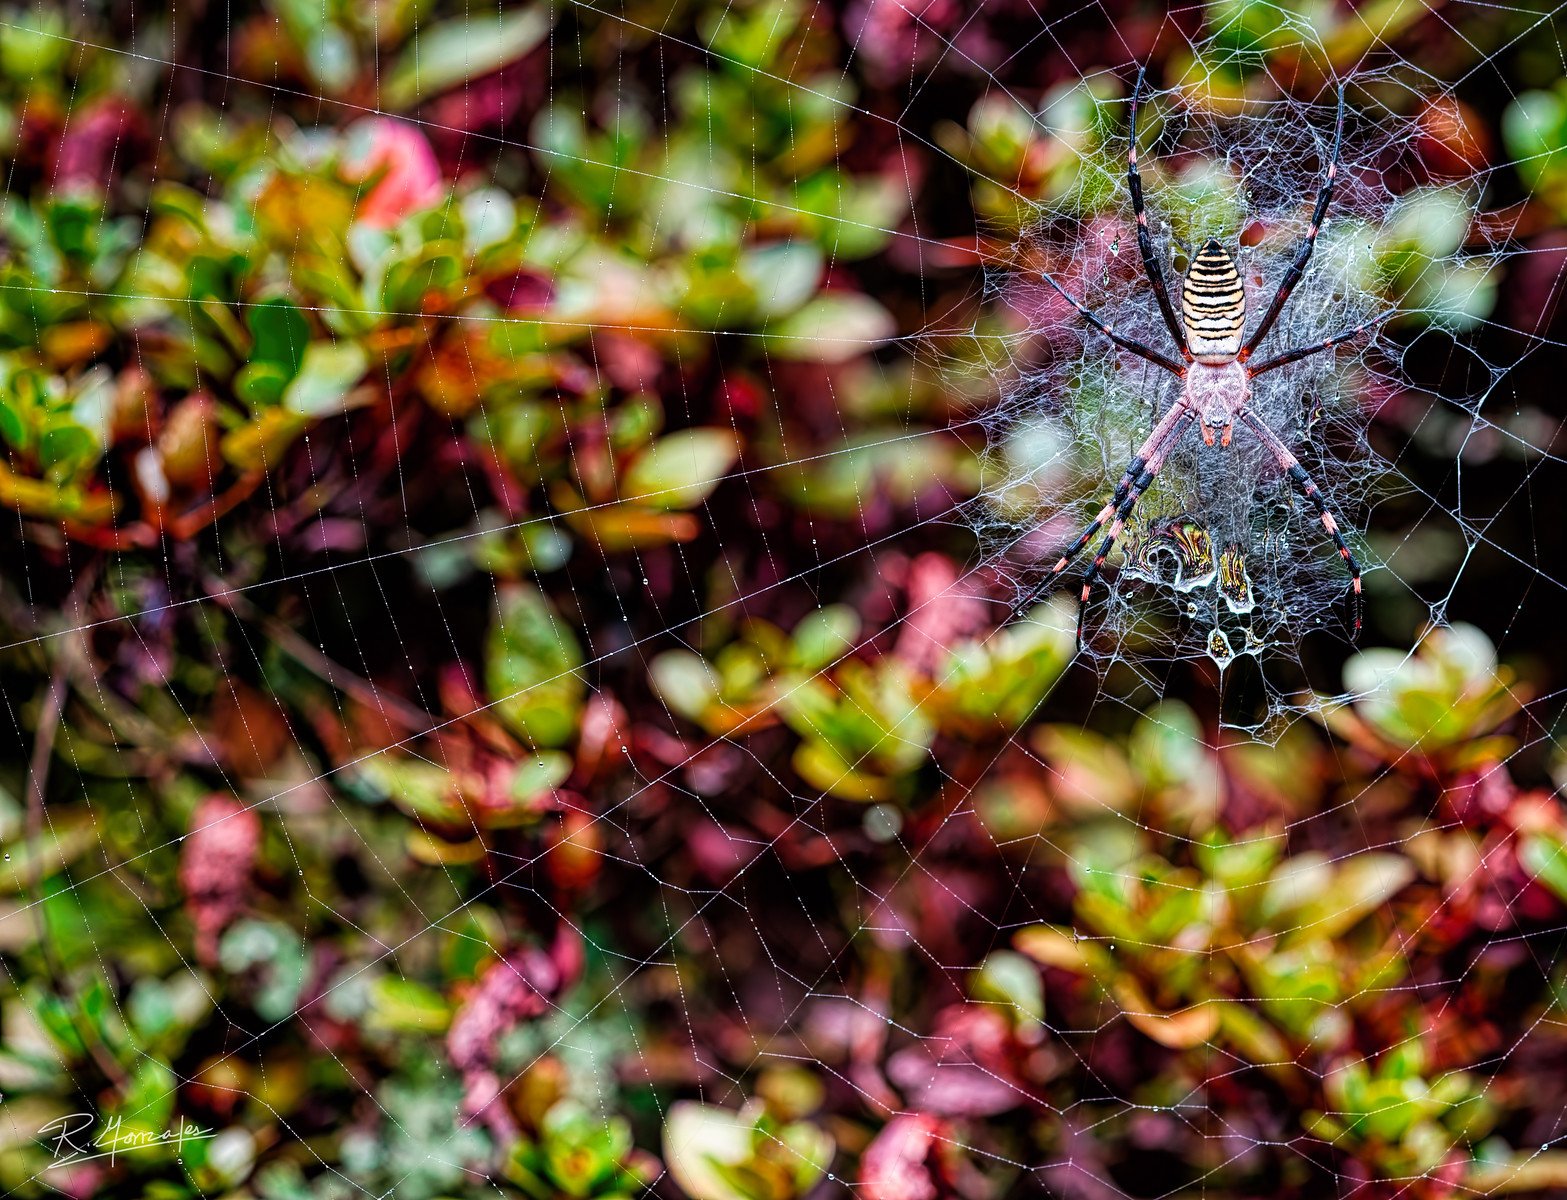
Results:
499 706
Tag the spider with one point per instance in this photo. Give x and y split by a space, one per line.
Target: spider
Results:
1215 367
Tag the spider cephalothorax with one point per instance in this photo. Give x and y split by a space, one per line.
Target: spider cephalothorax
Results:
1215 367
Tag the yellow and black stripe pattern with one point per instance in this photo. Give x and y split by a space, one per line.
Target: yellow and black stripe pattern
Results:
1213 304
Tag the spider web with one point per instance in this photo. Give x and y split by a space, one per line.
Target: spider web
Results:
438 787
1219 543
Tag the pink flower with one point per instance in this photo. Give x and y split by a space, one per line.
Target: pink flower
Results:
896 38
893 36
77 1180
399 158
486 103
92 144
512 991
215 866
484 1099
898 1165
965 1069
944 609
522 291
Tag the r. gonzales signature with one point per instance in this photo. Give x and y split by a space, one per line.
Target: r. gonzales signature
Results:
82 1137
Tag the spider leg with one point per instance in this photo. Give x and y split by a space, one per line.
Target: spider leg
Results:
1135 480
1123 511
1298 267
1154 446
1307 487
1137 475
1151 267
1126 343
1290 356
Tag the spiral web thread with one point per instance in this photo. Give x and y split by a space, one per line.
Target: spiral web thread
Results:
1067 414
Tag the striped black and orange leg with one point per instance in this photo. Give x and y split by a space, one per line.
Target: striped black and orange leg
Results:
1123 511
1134 481
1151 267
1308 488
1138 348
1298 267
1154 447
1337 339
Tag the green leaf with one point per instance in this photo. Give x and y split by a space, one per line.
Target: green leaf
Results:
783 276
71 224
28 862
1321 899
1544 856
462 48
531 661
751 36
261 384
280 334
330 53
35 50
13 427
280 957
327 374
436 267
539 774
823 636
259 444
406 1006
66 445
1010 979
471 940
681 470
821 766
717 1153
835 327
149 1100
685 682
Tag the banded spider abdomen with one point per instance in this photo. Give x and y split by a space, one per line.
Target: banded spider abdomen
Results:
1213 305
